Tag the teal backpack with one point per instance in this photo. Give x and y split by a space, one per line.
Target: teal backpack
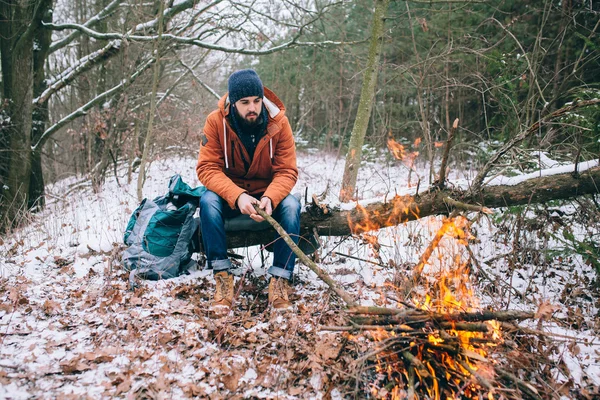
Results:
160 233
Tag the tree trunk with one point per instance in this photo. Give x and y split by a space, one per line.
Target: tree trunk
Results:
40 115
155 79
408 208
20 20
365 104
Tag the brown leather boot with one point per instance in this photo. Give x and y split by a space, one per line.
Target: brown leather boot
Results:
224 292
278 294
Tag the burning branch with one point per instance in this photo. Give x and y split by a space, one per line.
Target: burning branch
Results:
446 352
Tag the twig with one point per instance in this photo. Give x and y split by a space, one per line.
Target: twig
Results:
410 393
355 328
524 386
467 207
307 261
391 343
359 259
441 182
415 362
480 378
482 272
375 310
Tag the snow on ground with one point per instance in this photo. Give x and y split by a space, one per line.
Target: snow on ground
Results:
69 328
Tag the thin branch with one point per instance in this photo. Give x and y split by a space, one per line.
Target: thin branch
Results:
531 71
81 111
200 81
105 12
467 207
432 2
83 65
171 12
294 42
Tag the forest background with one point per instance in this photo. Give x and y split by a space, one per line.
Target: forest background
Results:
89 85
95 93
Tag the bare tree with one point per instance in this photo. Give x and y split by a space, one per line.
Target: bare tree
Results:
250 31
365 105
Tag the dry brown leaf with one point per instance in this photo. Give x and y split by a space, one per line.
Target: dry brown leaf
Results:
112 297
135 301
16 295
251 338
51 307
98 358
124 386
192 390
161 383
166 337
249 324
295 391
61 262
545 310
73 365
7 308
231 381
67 270
327 347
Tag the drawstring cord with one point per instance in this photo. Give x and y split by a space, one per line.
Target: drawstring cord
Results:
225 142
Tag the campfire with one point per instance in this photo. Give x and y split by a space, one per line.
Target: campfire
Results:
438 343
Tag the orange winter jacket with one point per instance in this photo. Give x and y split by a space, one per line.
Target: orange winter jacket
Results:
273 170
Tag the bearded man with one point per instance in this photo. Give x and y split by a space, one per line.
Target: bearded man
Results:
247 157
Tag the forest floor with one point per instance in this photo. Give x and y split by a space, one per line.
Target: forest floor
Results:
70 328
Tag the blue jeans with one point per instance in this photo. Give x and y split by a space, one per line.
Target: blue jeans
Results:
214 210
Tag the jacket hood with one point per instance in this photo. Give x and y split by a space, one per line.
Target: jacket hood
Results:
274 105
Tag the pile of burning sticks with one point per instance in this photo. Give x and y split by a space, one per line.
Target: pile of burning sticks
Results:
424 354
439 348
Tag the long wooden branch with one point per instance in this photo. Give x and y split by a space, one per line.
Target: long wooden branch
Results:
293 42
307 261
411 315
105 12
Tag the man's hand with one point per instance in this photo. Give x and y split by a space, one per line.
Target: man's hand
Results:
245 204
265 204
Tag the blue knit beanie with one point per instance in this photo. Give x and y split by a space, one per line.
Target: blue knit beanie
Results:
244 83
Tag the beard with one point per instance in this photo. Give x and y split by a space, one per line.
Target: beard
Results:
250 120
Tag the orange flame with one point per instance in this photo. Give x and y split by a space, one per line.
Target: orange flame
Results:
400 153
393 213
450 292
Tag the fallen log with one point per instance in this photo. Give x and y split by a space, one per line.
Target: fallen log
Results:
408 208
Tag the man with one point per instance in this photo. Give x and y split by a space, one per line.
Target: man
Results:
248 157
